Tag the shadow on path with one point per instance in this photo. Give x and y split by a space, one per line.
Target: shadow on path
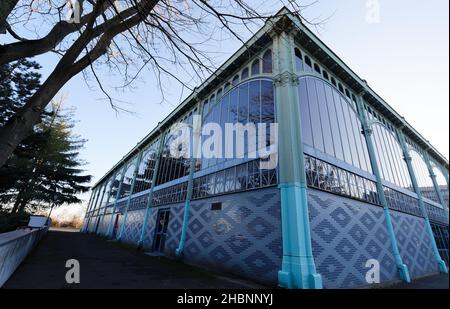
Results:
106 265
431 282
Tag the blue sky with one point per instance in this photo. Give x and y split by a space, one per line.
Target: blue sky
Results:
404 58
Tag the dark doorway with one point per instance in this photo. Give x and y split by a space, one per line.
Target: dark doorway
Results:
162 222
115 227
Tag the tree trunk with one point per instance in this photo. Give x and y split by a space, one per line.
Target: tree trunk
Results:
21 125
16 204
22 205
6 6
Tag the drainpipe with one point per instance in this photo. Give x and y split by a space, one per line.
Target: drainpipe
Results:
152 186
368 132
196 127
407 158
298 270
108 231
436 186
136 169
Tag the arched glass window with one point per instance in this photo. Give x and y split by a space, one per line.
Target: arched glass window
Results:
104 194
212 101
127 181
106 200
298 60
330 124
442 183
171 167
146 168
325 74
226 87
115 187
308 62
341 89
267 62
317 68
94 194
95 198
389 156
219 93
235 81
251 101
255 67
423 178
205 109
347 93
244 74
333 81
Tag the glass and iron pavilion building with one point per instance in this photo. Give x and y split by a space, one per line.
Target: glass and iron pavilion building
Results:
355 184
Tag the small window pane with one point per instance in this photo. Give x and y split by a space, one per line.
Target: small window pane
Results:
255 67
267 62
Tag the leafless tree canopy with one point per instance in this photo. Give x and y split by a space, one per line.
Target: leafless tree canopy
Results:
167 36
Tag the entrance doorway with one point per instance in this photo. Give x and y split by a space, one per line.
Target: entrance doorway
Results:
115 227
162 224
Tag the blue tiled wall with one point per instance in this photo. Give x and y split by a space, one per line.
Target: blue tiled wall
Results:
345 234
133 227
105 224
150 229
244 238
414 244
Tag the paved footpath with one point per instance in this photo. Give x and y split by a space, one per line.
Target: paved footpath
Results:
106 264
430 282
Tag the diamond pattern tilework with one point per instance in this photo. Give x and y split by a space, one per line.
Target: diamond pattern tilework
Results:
244 238
133 226
345 234
174 228
414 244
149 229
105 224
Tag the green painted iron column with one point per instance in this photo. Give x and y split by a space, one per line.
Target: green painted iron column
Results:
368 133
138 161
298 270
442 169
436 185
408 159
108 231
152 186
196 127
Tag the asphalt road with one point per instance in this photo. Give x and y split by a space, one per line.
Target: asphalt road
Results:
106 264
